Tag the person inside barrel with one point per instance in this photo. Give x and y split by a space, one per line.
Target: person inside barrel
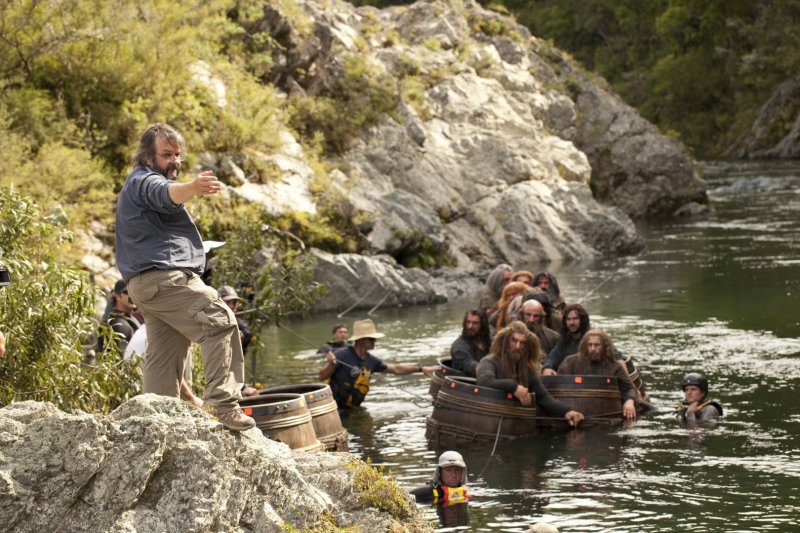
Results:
493 289
349 369
574 325
501 318
697 409
512 366
339 334
533 314
473 343
548 283
595 357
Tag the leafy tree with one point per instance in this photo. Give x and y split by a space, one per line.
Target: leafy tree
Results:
44 314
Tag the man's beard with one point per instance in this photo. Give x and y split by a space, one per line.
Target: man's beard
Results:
165 171
536 328
515 355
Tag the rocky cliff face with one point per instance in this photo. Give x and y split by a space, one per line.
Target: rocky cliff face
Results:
493 162
775 134
501 150
155 464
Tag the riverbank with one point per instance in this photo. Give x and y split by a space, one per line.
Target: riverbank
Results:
157 464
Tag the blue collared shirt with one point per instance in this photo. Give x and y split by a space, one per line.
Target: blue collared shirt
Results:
151 230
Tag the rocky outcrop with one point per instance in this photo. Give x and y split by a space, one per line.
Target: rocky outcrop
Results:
775 134
634 166
493 160
156 464
496 148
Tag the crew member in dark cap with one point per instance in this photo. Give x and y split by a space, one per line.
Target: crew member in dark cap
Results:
121 318
697 408
231 298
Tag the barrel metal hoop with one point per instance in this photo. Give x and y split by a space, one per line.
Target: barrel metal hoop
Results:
323 409
286 422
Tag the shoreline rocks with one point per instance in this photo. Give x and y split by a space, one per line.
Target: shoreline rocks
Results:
157 464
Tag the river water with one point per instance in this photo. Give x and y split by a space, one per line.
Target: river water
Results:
719 294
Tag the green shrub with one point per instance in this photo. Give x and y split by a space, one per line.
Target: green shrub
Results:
45 313
379 491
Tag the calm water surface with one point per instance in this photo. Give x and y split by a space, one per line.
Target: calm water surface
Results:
719 294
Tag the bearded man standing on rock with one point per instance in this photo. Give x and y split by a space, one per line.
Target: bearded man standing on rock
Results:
160 255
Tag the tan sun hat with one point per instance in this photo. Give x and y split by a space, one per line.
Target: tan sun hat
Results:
365 329
226 292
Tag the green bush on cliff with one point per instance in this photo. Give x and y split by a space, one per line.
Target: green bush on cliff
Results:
45 313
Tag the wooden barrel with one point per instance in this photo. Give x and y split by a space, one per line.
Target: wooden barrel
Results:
437 378
324 412
594 396
636 378
464 412
284 418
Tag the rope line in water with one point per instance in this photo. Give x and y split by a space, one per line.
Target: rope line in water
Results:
340 315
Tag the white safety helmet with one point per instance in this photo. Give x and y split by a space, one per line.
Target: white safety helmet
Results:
450 458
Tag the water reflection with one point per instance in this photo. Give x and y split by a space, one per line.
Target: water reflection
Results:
721 295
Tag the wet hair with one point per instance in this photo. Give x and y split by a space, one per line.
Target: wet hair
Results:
582 314
531 353
506 299
553 291
337 327
483 333
605 341
536 293
494 282
522 273
147 144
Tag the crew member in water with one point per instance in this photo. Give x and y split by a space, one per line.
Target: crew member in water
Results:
513 365
449 484
350 368
696 408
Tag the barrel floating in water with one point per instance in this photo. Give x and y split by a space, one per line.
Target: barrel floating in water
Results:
324 412
594 396
437 378
464 412
284 418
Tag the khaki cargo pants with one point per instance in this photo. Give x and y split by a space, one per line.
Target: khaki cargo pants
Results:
179 308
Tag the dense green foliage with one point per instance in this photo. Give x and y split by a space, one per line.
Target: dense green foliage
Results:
79 81
45 313
699 69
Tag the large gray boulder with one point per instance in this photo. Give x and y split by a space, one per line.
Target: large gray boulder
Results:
775 133
361 281
156 464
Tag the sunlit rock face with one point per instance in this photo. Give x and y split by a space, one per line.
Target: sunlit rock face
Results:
498 148
156 464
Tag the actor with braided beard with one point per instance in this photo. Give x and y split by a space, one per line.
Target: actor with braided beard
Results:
512 366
